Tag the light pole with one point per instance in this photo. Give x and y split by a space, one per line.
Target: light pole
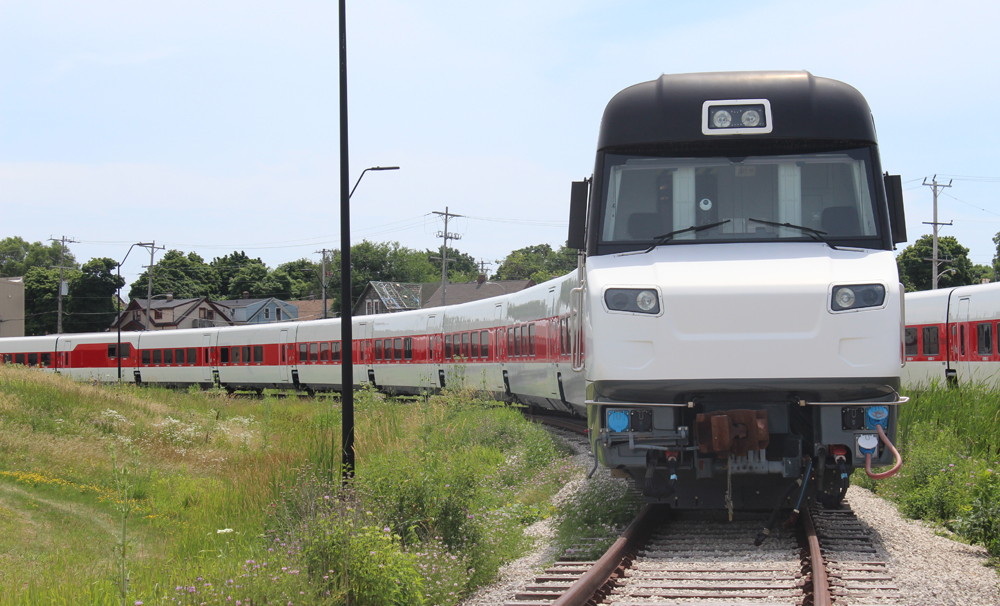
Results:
346 332
363 174
118 351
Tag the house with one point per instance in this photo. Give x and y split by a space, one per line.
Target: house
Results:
259 311
391 297
474 291
11 307
312 309
170 314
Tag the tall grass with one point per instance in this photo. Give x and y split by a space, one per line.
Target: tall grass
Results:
242 499
950 443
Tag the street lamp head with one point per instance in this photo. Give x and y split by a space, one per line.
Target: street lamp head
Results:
384 168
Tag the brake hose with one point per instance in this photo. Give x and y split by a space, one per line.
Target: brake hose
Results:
895 453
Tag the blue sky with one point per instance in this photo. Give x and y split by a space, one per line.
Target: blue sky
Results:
212 126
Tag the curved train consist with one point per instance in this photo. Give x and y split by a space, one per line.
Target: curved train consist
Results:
735 320
951 336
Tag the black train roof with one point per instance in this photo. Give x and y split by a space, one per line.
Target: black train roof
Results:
669 108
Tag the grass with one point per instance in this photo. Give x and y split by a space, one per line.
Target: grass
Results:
950 443
241 499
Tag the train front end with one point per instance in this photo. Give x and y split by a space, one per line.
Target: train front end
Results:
741 308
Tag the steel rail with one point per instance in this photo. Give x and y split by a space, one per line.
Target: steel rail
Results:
560 422
821 584
583 590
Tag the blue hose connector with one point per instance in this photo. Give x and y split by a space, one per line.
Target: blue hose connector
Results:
877 415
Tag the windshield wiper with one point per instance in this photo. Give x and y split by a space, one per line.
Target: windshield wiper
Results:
815 233
660 240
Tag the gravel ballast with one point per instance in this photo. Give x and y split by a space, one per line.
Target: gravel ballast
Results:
929 569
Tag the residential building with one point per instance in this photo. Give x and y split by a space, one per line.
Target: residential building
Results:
170 314
11 307
259 311
464 292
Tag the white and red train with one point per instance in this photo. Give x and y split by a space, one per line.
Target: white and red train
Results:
951 336
515 347
732 333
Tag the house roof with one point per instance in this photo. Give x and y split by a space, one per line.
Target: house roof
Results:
310 309
240 302
476 291
398 296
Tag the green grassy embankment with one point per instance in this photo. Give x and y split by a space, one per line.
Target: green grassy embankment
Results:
950 443
241 500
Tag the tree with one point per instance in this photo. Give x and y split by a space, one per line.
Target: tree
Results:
381 262
303 276
17 256
917 271
41 289
462 267
228 266
539 263
186 276
91 305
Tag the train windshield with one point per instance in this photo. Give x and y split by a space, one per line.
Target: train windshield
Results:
648 197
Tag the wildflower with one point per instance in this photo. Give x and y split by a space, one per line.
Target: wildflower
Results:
951 464
138 603
224 531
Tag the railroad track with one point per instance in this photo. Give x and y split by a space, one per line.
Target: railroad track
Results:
701 558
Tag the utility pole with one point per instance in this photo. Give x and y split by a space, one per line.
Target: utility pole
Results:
62 252
482 265
149 288
444 251
323 280
935 186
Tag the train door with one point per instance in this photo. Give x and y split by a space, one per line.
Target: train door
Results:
283 355
206 366
363 369
495 372
963 340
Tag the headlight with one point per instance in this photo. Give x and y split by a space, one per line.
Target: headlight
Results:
646 300
857 296
637 300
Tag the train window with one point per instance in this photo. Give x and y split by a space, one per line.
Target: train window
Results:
246 354
517 341
19 358
335 354
258 353
397 349
931 346
192 357
407 349
7 359
168 356
531 339
314 352
524 340
223 355
179 356
961 340
324 352
387 345
236 355
510 342
146 358
484 344
111 350
447 347
648 196
984 339
378 349
46 359
474 349
32 359
126 350
303 352
910 340
157 356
